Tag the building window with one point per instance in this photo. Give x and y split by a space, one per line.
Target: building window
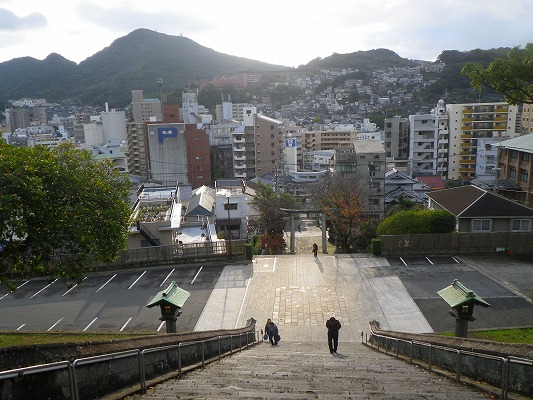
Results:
525 156
514 154
230 206
521 225
512 172
481 225
523 175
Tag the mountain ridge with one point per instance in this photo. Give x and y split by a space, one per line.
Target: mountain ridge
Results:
139 59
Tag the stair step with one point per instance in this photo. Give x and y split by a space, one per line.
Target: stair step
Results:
307 370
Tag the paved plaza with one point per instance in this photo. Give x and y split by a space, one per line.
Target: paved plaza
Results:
300 292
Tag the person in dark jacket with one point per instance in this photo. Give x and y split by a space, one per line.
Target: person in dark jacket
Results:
333 326
272 331
315 249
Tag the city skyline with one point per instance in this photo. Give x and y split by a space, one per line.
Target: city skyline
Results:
285 33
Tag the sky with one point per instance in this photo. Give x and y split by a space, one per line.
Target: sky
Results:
284 32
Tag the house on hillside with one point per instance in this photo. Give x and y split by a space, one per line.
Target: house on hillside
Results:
400 184
481 211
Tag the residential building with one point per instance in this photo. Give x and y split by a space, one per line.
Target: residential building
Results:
423 136
230 208
527 118
198 156
136 149
145 110
515 164
327 140
481 211
396 138
400 184
469 122
263 144
18 118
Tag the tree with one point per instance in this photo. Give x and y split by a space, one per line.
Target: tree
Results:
402 203
269 204
417 222
512 76
341 198
60 210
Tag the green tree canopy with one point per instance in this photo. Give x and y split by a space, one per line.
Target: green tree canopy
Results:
512 76
59 211
417 222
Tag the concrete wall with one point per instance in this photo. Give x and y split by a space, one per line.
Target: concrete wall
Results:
94 377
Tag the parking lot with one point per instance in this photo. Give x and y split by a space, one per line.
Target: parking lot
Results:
110 302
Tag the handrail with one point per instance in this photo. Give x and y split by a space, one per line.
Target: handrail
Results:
71 366
505 361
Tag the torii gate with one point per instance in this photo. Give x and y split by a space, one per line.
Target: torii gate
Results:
293 234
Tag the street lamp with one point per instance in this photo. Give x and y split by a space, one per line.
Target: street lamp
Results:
228 195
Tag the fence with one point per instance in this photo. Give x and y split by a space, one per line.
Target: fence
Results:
94 377
508 373
457 243
180 254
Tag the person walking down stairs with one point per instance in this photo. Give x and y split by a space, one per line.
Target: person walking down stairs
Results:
333 326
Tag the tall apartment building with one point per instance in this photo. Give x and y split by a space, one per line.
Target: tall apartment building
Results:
263 145
396 140
136 149
237 112
145 110
327 140
198 156
527 118
428 142
18 118
469 122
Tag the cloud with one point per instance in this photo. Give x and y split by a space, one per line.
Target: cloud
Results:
128 19
12 22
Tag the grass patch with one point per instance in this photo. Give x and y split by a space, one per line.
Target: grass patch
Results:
515 335
30 339
519 335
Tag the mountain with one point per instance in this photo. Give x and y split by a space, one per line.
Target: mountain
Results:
134 61
362 60
139 59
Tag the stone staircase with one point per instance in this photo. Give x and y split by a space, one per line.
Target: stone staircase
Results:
307 370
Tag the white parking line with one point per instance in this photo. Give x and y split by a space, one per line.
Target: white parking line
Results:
404 263
43 289
127 322
72 287
136 280
274 266
455 259
53 326
168 276
18 287
196 276
242 302
20 327
100 288
160 326
429 261
87 327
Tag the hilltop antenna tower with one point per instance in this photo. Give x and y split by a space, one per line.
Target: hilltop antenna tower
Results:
160 84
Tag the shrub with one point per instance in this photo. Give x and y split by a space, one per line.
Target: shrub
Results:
417 222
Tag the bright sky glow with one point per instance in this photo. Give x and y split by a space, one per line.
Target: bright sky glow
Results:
288 32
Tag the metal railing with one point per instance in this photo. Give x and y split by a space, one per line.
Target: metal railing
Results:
137 366
508 373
